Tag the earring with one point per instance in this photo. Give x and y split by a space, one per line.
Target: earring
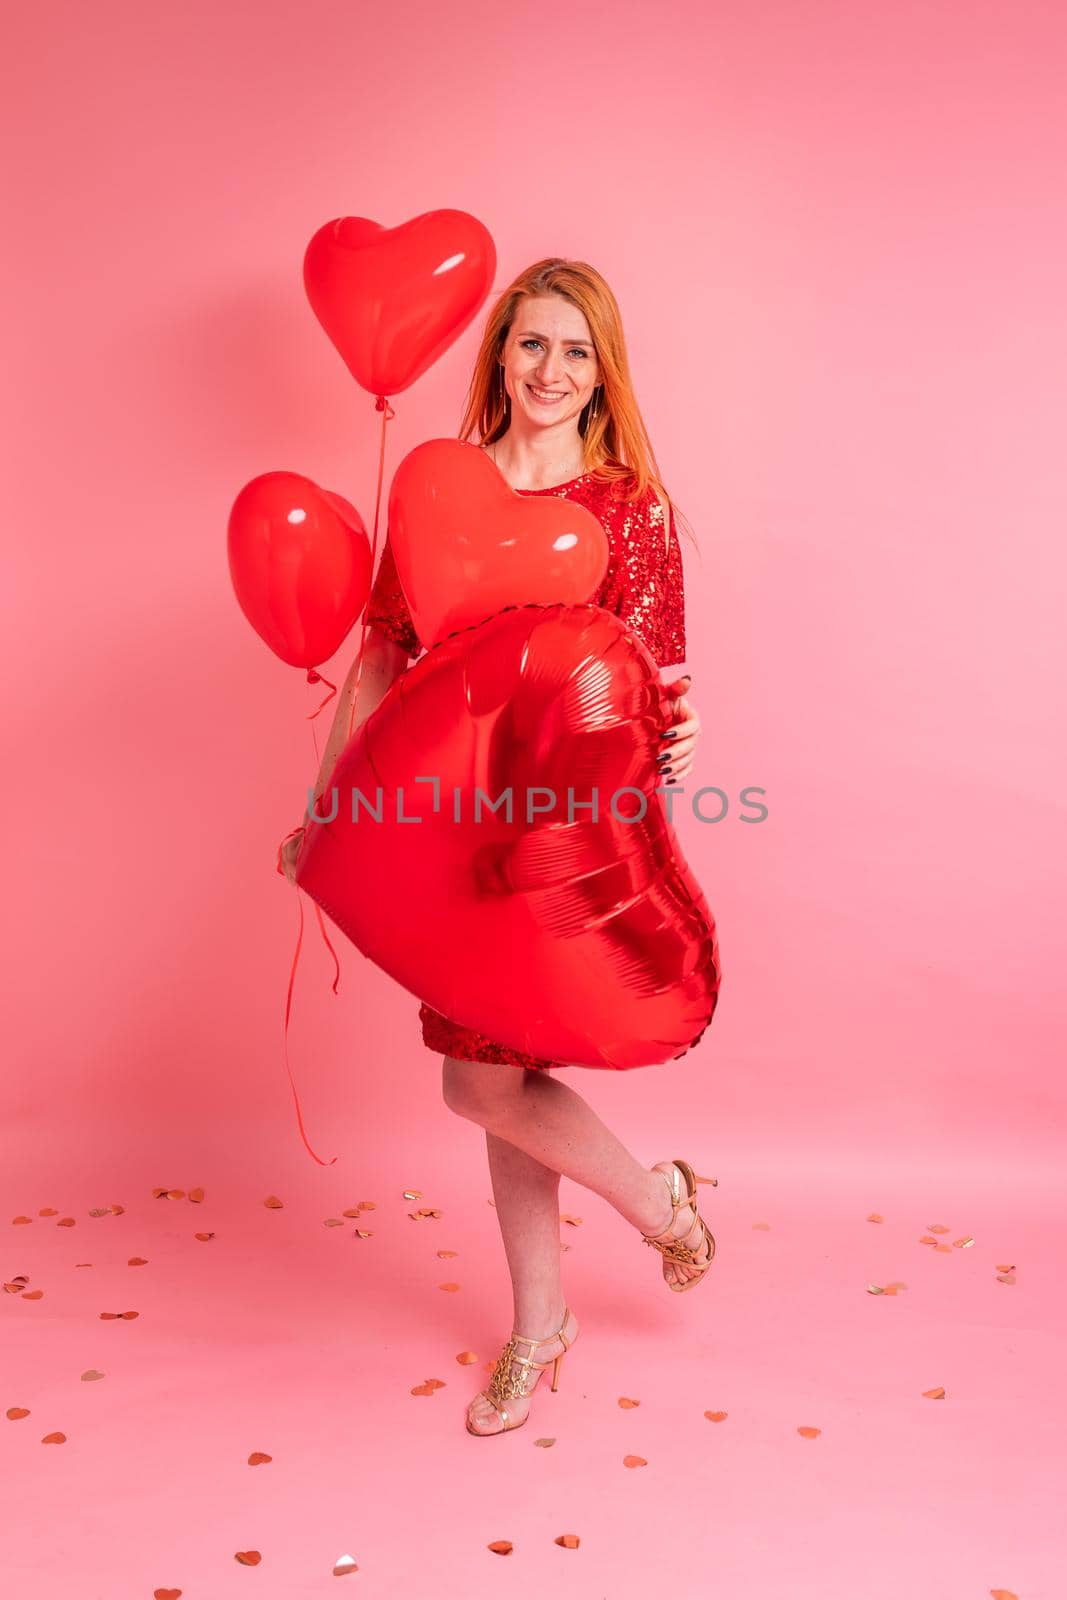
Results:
594 409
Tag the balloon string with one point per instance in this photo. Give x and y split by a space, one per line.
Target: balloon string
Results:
289 998
381 404
317 677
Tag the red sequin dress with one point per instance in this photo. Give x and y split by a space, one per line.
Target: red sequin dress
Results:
642 586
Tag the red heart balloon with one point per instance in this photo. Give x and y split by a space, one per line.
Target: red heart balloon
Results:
466 544
394 299
577 937
300 563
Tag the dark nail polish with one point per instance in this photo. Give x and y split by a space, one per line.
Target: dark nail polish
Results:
672 780
673 734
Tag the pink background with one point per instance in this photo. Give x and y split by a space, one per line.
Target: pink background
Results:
836 233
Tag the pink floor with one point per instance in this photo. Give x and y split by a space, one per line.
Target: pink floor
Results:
302 1341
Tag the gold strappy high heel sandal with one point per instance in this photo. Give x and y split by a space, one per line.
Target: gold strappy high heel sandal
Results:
676 1249
507 1384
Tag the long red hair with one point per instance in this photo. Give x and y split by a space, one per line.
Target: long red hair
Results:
616 445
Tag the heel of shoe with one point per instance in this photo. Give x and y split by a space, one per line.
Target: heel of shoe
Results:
555 1370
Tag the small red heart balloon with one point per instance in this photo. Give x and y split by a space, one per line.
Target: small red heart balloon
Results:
578 936
466 543
393 299
300 562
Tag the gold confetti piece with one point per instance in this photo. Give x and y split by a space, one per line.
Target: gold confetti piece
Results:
713 1181
563 1246
65 1222
343 1565
809 1433
716 1416
466 1358
936 1227
368 1205
362 1233
874 1217
964 1244
446 1255
943 1249
83 1263
1006 1269
196 1196
54 1438
926 1239
123 1316
12 1288
501 1547
569 1541
875 1288
449 1288
575 1222
634 1461
203 1236
166 1594
333 1222
48 1211
353 1211
175 1194
258 1457
424 1388
1003 1594
21 1279
1005 1277
116 1211
91 1376
412 1194
34 1294
891 1288
764 1227
137 1261
16 1413
248 1558
17 1220
273 1202
436 1383
626 1403
100 1211
544 1444
933 1394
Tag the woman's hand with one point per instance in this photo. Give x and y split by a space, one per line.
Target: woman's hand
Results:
288 851
678 743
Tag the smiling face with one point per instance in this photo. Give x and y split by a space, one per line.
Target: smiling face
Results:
549 361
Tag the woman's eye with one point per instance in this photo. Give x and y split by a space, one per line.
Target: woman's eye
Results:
575 351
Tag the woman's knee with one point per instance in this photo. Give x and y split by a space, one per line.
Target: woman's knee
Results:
478 1089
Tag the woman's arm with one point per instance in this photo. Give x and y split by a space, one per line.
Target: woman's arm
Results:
383 662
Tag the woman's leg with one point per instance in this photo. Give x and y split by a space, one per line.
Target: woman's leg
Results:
551 1123
526 1194
527 1208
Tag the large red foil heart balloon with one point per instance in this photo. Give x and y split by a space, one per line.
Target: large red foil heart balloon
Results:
466 544
394 299
580 937
300 563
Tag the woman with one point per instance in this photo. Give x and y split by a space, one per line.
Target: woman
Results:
553 403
